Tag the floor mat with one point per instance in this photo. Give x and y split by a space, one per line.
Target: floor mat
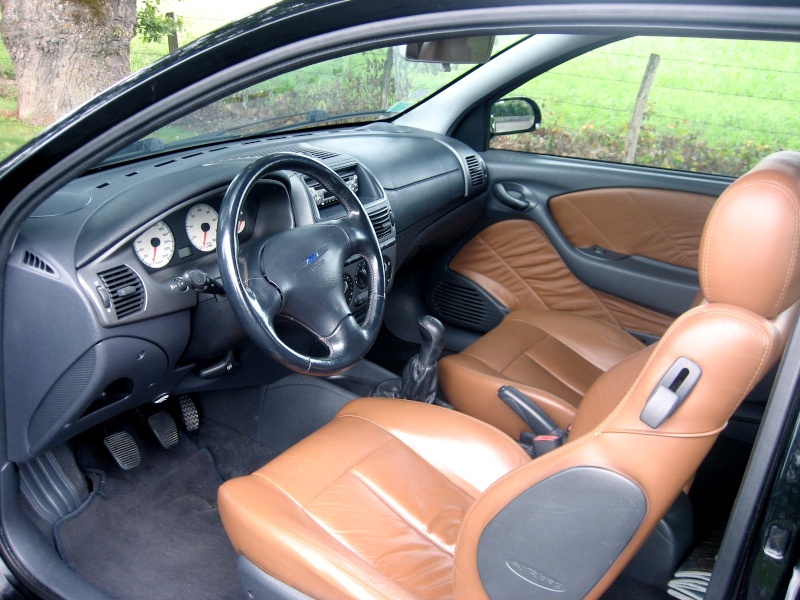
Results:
234 453
153 532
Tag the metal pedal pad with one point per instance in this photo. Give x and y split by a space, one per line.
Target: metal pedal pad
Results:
124 449
164 428
189 414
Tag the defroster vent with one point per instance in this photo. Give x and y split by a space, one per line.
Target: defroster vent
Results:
38 264
126 290
477 175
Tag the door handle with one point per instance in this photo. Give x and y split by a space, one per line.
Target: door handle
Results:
515 195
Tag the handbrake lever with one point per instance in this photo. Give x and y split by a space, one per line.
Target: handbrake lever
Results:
547 435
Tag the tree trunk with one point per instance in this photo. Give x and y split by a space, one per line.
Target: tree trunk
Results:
65 51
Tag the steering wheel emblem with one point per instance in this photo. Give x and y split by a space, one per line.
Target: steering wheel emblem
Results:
312 258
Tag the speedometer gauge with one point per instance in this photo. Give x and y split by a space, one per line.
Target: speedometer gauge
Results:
155 246
201 227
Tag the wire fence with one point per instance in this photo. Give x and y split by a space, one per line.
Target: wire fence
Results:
709 106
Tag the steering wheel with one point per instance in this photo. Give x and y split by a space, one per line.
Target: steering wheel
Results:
297 273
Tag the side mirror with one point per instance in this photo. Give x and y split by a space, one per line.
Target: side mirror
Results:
455 51
515 115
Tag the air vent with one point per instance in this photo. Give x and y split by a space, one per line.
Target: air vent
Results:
476 172
459 304
126 290
29 259
382 222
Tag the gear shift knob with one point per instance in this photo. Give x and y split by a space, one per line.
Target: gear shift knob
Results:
433 336
420 378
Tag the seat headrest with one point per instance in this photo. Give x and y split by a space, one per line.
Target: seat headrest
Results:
751 241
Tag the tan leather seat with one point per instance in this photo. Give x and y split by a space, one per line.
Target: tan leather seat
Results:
552 357
395 499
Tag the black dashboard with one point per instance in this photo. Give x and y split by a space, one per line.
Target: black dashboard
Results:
99 266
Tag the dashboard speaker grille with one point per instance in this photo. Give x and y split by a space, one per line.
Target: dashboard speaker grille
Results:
459 304
476 173
382 222
126 290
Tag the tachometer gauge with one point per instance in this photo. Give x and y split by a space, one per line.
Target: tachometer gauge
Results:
155 246
201 227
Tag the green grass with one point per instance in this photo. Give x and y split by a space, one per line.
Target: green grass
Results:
729 95
726 92
14 134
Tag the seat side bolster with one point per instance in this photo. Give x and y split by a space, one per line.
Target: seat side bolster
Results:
279 537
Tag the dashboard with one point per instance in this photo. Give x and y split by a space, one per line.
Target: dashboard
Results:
101 267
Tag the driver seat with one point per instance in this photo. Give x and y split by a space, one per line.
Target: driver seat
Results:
396 499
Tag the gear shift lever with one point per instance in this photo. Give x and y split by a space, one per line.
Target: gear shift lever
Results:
420 377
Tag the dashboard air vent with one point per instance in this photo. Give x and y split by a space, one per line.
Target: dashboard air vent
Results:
126 290
382 222
38 264
476 173
459 304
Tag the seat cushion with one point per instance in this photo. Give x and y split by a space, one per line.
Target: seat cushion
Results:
552 357
370 505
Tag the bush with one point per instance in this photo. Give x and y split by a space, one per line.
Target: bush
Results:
673 149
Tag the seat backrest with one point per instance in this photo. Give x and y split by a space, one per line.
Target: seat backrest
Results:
571 520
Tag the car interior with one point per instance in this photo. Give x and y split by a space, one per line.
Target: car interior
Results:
388 360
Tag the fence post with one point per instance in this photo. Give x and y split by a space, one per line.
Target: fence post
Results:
635 125
172 38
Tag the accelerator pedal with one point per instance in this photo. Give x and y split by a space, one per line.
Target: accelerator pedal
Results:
124 449
164 428
189 414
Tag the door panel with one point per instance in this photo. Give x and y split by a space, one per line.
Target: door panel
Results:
615 242
663 225
515 262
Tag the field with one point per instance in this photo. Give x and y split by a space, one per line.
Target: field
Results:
715 105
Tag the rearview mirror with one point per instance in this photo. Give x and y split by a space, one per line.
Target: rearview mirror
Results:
469 50
515 115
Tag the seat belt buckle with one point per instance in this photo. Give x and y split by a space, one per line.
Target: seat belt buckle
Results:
539 445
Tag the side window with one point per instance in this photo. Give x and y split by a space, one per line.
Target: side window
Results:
713 106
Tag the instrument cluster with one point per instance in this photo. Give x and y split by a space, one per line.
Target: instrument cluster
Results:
185 234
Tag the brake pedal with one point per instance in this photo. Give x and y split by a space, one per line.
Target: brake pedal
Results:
189 414
164 428
124 449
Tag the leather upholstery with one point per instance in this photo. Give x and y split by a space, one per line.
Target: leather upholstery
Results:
552 357
750 246
664 225
516 263
390 500
371 505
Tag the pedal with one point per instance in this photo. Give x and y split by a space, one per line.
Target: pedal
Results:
189 414
124 449
164 428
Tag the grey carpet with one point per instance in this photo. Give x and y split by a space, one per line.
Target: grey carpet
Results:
234 453
153 532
